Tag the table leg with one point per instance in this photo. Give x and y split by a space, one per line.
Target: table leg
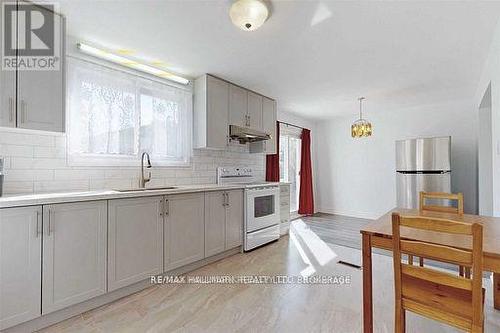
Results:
496 290
367 285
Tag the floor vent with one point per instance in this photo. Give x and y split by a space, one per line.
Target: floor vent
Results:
349 264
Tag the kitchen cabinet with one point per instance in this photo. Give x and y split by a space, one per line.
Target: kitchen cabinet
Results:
234 219
211 106
254 113
269 117
74 253
284 205
7 92
135 240
215 222
223 221
238 106
218 104
8 98
34 99
20 264
183 229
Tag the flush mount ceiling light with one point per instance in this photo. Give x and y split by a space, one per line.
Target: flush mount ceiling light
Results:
248 15
103 54
361 127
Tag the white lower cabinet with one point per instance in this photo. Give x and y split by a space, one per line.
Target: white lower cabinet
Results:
74 253
55 256
215 222
20 264
234 219
184 229
135 240
223 221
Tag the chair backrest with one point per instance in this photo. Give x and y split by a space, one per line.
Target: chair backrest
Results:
440 252
458 197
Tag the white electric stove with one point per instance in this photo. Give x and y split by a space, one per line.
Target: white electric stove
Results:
261 205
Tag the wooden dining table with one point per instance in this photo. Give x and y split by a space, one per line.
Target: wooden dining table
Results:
378 234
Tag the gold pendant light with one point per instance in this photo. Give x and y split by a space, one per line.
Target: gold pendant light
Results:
361 127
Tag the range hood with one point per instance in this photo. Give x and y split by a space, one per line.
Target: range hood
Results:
245 134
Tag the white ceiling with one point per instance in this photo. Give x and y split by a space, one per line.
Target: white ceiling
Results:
314 57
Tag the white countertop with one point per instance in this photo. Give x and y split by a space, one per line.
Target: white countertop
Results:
61 197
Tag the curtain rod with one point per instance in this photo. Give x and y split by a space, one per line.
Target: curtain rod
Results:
288 124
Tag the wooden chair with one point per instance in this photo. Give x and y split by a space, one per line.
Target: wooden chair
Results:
455 300
458 197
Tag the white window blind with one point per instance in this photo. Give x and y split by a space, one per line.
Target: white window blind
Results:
114 116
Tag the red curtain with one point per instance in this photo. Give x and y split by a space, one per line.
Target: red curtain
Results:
306 200
273 161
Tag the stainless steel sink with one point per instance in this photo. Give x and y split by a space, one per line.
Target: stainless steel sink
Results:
146 189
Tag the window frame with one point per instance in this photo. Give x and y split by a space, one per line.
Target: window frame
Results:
291 133
111 160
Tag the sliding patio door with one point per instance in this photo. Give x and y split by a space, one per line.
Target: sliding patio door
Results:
290 148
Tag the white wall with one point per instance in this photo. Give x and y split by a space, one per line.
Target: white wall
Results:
356 177
491 75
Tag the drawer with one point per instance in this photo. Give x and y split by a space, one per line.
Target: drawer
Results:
284 203
285 214
284 189
260 237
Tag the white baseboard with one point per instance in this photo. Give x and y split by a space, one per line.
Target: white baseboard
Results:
357 214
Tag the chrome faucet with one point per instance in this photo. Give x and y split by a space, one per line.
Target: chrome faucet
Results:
144 180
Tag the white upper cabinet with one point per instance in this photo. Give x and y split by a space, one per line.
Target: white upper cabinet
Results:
238 106
211 106
254 111
40 94
218 104
20 265
7 98
74 253
135 240
269 116
7 92
34 99
184 229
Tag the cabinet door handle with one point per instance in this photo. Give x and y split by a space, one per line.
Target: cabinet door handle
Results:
161 207
224 199
167 207
227 199
11 110
23 111
37 227
48 222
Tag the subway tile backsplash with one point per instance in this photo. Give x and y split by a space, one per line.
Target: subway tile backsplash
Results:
36 163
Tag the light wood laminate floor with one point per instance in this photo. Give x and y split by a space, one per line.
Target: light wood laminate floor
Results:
269 307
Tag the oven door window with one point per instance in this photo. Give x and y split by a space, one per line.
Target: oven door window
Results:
264 206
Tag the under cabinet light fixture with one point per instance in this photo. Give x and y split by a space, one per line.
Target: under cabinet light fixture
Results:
99 53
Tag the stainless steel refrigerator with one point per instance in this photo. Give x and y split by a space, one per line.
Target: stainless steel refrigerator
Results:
422 165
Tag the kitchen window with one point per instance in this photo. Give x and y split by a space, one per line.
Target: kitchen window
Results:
290 149
114 116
